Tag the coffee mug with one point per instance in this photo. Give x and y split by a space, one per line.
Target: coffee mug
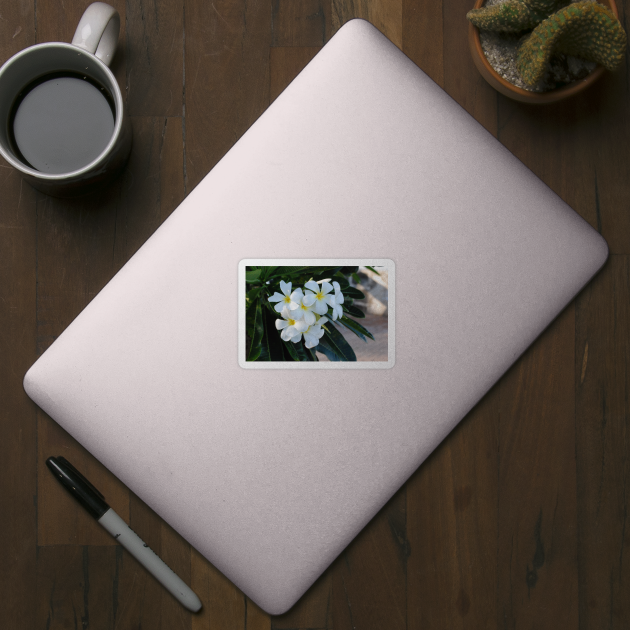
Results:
62 114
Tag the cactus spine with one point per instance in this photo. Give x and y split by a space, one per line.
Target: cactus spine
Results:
513 16
583 29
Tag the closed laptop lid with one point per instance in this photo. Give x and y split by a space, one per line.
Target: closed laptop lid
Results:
270 473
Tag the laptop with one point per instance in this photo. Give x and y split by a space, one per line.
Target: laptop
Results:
270 473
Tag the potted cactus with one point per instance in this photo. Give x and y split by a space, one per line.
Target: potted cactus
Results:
558 49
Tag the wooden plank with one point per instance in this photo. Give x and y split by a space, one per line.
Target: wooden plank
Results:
76 587
607 128
55 23
18 424
452 527
285 64
154 57
17 28
575 147
386 15
461 78
300 23
61 520
558 148
142 600
224 606
313 609
422 36
226 78
74 249
537 537
18 481
369 577
152 184
603 469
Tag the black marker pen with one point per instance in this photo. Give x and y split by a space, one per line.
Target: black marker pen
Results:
94 502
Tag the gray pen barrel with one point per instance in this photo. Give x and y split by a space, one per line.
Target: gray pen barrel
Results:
149 559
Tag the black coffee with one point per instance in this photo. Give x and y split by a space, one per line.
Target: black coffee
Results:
61 123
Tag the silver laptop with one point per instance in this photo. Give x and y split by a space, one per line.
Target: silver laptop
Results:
270 473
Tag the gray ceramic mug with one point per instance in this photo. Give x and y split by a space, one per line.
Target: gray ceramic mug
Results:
86 60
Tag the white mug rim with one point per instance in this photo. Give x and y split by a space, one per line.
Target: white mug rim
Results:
102 157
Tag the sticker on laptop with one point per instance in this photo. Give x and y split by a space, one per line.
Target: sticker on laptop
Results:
316 313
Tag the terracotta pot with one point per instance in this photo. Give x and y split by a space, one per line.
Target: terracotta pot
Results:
518 94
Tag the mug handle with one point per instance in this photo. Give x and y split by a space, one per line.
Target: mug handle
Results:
98 30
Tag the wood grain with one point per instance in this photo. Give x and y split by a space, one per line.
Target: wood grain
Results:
285 64
226 78
517 520
61 521
224 606
461 79
142 599
18 416
304 23
57 22
452 516
154 57
76 587
537 510
386 15
313 609
602 380
422 36
369 577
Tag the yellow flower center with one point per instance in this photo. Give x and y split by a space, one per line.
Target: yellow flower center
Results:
287 299
291 322
320 296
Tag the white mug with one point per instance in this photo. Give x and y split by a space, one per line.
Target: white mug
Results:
85 60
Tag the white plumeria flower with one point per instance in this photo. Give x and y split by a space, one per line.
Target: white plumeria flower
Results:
313 333
337 309
305 308
322 297
291 328
286 299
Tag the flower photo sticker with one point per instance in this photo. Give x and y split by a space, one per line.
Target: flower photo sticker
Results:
316 313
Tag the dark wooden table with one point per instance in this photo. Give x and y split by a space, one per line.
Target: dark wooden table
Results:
518 520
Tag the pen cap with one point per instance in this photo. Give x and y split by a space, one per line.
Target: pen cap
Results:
78 486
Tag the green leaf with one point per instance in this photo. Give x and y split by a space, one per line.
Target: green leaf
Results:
356 278
283 273
353 310
289 348
302 352
338 343
326 349
342 280
272 338
266 272
253 294
255 348
356 328
354 293
252 276
250 314
372 269
348 270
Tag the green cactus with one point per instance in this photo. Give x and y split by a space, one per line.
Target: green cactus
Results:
513 16
584 29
